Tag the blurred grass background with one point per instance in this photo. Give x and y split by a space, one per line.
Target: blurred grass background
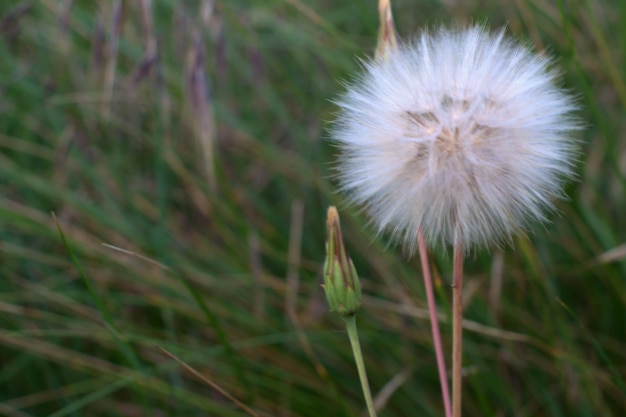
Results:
181 147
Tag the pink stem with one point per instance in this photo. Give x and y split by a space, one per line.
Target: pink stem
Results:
457 329
434 323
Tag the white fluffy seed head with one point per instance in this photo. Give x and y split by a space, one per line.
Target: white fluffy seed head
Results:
462 133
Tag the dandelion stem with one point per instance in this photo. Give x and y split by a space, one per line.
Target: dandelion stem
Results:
457 328
434 323
360 364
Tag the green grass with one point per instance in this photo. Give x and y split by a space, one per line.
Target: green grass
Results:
209 190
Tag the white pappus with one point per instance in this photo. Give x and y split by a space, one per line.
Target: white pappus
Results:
463 133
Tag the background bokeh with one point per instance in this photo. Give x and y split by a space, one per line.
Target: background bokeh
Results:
180 146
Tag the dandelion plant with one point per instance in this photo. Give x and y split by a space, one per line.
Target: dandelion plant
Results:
462 135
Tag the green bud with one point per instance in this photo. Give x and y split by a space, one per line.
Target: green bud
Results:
341 282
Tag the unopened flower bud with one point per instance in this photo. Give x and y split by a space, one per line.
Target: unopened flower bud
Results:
341 282
387 37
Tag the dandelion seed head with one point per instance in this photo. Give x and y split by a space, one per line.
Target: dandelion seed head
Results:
462 133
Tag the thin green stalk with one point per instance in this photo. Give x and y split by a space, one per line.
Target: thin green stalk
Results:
615 374
127 350
234 358
360 364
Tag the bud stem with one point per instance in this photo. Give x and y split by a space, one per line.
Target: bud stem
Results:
360 364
